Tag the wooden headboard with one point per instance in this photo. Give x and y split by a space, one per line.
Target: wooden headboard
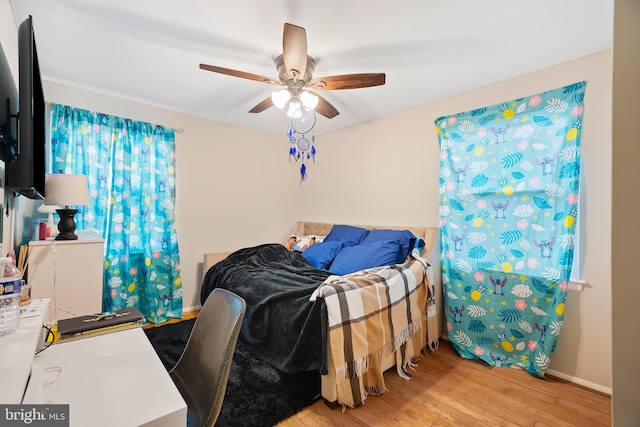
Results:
428 234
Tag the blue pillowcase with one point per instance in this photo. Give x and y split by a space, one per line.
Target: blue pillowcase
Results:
321 254
356 258
346 233
348 249
406 239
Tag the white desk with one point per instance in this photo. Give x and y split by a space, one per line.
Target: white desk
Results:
115 379
17 350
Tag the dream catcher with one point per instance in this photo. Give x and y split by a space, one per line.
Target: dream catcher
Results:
303 146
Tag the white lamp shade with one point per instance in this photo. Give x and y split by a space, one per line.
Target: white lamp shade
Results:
280 98
66 190
309 100
293 108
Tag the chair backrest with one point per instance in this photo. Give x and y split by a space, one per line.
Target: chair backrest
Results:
202 372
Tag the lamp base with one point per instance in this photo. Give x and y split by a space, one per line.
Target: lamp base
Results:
67 224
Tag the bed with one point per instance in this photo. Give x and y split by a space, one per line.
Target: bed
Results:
300 317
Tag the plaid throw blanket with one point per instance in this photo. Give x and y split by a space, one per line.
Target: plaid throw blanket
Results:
371 314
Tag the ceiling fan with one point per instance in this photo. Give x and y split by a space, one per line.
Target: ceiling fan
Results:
295 74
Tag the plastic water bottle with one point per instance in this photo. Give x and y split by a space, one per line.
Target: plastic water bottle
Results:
10 284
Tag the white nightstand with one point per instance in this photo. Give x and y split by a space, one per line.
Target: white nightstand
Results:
69 273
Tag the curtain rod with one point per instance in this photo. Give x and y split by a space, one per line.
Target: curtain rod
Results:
176 130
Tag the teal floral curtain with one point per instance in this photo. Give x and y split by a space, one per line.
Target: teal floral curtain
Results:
130 167
509 190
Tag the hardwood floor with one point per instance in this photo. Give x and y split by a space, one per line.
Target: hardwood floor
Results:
446 390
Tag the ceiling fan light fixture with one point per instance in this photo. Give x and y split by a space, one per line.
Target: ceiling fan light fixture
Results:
309 100
295 77
280 98
293 108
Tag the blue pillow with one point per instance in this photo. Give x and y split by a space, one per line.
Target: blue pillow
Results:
405 238
346 233
321 254
356 258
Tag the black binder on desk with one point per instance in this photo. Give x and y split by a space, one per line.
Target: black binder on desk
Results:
96 324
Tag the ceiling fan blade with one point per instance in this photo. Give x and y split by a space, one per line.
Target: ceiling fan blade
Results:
263 105
325 108
294 50
348 81
241 74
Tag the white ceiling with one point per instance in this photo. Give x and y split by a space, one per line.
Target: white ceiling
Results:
150 50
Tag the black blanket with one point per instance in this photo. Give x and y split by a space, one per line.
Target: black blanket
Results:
280 325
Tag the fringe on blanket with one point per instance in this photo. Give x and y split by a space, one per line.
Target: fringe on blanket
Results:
409 364
364 393
361 366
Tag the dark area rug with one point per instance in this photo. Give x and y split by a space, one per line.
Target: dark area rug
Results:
257 393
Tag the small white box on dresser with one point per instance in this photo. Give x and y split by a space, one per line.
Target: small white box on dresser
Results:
69 273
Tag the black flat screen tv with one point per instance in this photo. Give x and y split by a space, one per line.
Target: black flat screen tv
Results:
26 174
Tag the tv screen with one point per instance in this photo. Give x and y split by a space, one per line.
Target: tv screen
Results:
26 174
8 112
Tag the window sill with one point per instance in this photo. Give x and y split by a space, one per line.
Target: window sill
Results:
577 285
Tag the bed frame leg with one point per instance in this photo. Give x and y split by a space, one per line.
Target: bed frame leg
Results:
332 405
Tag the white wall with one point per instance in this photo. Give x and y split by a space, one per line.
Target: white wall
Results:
9 41
9 37
386 172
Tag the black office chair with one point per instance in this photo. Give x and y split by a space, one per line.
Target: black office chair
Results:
202 371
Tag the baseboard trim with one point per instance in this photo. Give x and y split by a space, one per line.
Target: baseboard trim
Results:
569 378
191 309
581 382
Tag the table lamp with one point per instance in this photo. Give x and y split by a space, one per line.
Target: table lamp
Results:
66 190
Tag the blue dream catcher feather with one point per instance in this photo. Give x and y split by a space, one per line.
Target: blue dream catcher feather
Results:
302 147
